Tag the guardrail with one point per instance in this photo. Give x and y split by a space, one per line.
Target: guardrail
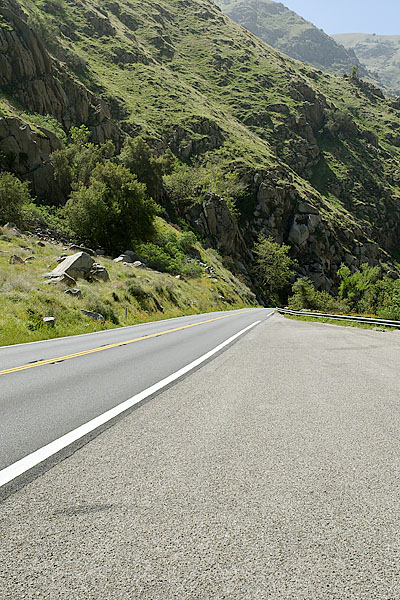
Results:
369 321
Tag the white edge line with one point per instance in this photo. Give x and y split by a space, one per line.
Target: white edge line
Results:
28 462
115 329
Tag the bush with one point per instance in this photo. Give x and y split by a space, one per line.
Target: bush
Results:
113 211
273 266
167 253
305 296
104 307
14 195
46 217
188 184
74 165
137 156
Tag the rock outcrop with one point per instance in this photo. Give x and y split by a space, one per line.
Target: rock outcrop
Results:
77 265
217 226
26 152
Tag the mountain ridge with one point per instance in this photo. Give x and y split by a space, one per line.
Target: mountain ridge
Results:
380 53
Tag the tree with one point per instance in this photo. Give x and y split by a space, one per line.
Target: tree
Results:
273 266
113 211
137 156
73 165
14 195
354 72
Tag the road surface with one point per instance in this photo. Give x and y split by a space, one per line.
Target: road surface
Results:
271 472
50 388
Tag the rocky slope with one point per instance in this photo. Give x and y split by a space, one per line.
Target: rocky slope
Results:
288 32
380 53
318 154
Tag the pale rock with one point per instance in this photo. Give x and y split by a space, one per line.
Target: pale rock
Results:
99 273
62 279
50 321
77 265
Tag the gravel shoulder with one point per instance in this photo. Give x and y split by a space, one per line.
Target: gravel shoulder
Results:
271 472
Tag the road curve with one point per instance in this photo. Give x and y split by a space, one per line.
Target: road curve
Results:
50 388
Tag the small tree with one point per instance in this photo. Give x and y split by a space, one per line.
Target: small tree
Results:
73 165
14 195
354 72
137 156
113 210
273 266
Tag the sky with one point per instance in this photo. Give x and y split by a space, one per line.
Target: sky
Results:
350 16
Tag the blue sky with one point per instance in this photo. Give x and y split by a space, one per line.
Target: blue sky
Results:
350 16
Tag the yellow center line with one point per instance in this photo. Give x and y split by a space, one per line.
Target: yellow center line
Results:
50 361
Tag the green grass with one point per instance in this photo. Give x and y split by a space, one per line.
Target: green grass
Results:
341 323
147 295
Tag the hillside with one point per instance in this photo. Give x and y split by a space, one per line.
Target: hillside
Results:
288 32
316 155
380 53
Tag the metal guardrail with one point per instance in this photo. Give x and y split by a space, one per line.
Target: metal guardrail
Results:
370 321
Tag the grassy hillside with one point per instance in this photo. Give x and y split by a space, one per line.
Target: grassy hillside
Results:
317 155
146 294
288 32
380 53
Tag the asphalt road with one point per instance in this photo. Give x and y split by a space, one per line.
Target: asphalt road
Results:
43 402
271 472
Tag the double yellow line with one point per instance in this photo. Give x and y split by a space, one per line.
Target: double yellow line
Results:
50 361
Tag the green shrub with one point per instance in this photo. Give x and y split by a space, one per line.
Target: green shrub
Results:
14 196
104 307
273 266
167 254
74 165
137 156
113 211
188 184
305 296
48 217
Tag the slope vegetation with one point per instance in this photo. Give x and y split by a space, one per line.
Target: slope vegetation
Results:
380 53
317 155
288 32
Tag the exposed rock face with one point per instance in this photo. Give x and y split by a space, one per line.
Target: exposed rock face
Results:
27 152
316 243
43 86
218 227
195 137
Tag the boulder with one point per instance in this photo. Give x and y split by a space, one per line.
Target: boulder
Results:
16 260
99 273
77 265
93 315
75 292
12 229
125 258
62 279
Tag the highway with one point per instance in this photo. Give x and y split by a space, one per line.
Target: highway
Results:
270 472
50 388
